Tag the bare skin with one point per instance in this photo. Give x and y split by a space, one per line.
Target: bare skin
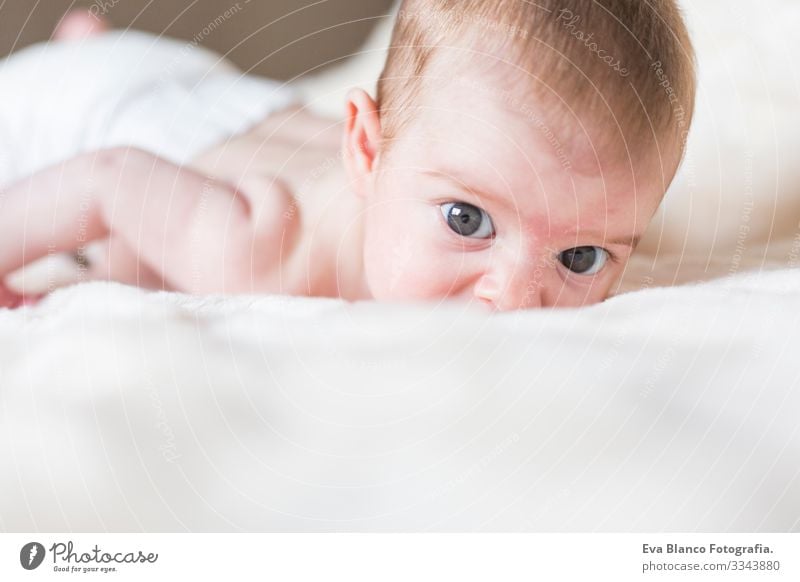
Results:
74 26
319 257
271 238
471 202
224 224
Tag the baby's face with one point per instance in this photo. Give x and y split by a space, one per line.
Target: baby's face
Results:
475 200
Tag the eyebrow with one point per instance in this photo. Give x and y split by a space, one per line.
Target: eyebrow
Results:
462 185
632 240
626 241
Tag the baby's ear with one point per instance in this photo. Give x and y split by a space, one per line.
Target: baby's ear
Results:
362 137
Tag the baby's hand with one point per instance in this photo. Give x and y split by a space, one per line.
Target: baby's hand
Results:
9 299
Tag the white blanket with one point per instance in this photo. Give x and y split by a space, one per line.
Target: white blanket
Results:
667 408
123 88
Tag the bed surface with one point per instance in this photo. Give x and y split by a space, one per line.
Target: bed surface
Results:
665 409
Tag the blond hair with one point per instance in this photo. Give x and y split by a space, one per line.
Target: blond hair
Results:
630 58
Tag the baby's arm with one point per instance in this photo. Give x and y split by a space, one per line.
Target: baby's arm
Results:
199 234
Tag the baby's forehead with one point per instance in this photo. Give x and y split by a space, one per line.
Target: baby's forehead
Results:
480 82
528 162
507 126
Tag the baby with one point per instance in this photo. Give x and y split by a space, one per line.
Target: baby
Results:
513 156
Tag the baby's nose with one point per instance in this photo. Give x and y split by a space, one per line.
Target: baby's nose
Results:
510 287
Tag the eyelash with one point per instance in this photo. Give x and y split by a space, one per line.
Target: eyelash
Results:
612 256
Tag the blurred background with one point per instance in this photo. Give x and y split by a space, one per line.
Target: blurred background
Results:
275 38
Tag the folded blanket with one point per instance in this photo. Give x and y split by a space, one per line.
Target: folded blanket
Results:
664 409
123 88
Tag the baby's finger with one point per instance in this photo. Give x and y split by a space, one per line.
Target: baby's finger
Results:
113 260
9 299
105 260
44 275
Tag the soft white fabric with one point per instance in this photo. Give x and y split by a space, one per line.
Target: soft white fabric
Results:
739 186
123 88
668 409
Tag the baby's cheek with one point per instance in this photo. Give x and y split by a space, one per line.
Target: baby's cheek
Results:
404 256
407 269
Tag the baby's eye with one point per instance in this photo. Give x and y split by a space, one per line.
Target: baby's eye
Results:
467 220
584 260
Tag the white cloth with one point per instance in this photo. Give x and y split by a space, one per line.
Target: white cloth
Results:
664 410
123 88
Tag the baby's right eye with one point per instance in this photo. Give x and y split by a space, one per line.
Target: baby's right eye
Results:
468 220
